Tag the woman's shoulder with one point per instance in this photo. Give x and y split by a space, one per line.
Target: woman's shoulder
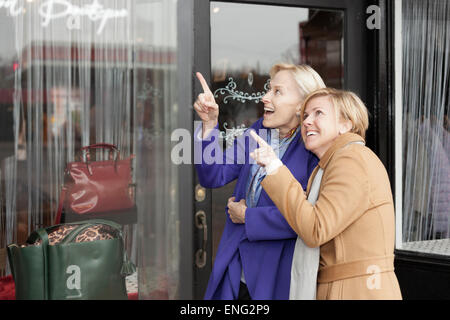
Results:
350 157
357 159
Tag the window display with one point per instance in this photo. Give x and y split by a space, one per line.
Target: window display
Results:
78 73
426 138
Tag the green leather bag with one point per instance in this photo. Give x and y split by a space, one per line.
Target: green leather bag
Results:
71 270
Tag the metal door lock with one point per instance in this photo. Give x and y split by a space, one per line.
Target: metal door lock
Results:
200 193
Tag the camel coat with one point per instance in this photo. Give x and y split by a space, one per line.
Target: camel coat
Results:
352 221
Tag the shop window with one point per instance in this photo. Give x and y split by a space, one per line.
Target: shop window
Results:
69 78
425 126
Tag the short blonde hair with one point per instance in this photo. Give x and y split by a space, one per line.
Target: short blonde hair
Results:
347 105
306 77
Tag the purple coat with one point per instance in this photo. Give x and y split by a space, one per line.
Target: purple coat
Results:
264 245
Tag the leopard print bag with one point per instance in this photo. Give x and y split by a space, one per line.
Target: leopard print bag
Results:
93 233
73 261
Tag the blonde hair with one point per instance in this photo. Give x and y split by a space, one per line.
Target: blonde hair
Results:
306 77
348 106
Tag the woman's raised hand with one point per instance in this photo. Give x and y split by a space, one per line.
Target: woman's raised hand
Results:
206 106
264 155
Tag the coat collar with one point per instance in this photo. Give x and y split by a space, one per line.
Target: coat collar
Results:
340 142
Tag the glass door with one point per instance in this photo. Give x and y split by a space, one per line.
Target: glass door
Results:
241 58
326 35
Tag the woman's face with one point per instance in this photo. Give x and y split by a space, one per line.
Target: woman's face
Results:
321 126
281 103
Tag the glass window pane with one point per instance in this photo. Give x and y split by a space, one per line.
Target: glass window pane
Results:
69 81
426 138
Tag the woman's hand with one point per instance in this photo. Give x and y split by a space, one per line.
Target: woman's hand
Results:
206 106
265 154
236 210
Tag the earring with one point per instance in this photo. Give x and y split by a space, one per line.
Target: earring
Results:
297 114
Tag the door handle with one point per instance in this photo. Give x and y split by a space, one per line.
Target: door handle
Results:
200 223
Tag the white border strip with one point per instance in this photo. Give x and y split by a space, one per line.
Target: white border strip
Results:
398 89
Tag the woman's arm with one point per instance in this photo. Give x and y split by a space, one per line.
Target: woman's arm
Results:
208 155
267 223
216 168
343 198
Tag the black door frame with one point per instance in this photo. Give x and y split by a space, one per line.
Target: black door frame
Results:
362 48
375 85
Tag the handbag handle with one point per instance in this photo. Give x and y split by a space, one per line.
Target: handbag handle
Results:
101 145
109 146
127 266
43 235
90 223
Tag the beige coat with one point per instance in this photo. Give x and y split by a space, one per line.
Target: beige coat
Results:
352 221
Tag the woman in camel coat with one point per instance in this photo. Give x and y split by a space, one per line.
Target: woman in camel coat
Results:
352 220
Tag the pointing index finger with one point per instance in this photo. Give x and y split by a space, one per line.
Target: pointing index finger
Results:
261 141
203 83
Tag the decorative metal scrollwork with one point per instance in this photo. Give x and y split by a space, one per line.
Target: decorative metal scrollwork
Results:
230 134
240 96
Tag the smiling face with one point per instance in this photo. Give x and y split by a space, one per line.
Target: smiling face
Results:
281 102
321 125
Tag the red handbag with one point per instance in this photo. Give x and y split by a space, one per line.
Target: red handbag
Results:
98 189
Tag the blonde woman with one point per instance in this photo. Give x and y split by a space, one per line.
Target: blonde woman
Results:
352 220
254 257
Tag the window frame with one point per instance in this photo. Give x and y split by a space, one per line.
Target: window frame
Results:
396 43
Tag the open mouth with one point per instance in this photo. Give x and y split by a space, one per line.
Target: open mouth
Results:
268 111
311 134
